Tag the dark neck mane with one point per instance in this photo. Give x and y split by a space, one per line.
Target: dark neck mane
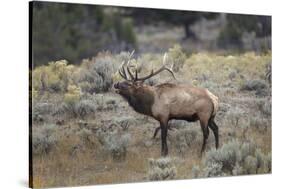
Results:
142 101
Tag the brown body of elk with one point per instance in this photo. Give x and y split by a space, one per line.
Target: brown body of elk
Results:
168 101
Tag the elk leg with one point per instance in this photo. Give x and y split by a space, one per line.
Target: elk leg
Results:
155 132
164 132
158 128
215 129
205 130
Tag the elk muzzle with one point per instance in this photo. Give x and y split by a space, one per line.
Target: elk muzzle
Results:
116 87
121 86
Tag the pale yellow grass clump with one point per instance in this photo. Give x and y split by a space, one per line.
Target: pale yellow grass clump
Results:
218 67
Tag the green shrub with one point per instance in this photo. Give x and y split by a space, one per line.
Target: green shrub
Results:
235 158
33 94
71 98
77 106
40 110
55 77
43 139
248 66
114 142
195 171
183 139
96 76
80 108
268 73
234 115
259 86
84 108
161 169
177 57
104 102
85 136
265 107
260 123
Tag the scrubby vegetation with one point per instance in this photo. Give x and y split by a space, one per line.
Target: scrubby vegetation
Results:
84 133
114 141
44 139
161 169
235 158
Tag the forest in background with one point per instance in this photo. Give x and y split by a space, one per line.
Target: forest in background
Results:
76 31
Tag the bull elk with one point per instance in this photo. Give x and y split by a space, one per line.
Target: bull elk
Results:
168 101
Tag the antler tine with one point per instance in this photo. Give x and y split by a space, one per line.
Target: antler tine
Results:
132 54
164 67
124 71
171 71
122 75
121 71
130 73
122 65
164 58
136 72
168 69
128 66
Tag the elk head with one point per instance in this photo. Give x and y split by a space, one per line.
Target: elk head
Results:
133 83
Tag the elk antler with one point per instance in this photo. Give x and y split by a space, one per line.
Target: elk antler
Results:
123 68
122 71
164 67
128 66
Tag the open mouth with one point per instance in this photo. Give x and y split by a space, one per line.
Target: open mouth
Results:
116 87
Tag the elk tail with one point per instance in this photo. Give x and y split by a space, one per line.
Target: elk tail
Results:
215 101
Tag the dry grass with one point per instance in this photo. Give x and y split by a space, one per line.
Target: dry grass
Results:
75 162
